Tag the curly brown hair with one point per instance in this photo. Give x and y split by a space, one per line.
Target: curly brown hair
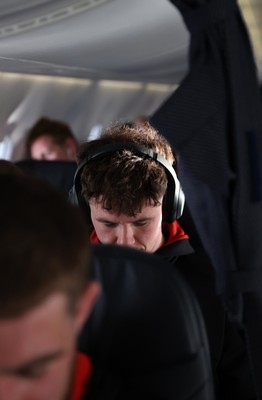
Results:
124 181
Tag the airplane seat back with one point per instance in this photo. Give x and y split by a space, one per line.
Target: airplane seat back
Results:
146 336
59 174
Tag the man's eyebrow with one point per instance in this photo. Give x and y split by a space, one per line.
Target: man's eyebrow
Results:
142 219
101 219
24 368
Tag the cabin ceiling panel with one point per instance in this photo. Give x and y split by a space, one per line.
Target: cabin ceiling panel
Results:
138 40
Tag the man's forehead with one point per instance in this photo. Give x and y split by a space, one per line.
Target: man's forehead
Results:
147 211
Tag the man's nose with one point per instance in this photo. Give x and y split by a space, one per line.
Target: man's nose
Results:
125 235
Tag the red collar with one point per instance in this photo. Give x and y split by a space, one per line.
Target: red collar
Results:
82 376
173 232
93 238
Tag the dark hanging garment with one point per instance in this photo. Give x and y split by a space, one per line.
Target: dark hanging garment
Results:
214 123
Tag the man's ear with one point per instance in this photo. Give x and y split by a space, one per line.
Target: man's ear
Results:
85 304
71 148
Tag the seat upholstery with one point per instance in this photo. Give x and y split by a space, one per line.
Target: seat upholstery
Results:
59 174
146 335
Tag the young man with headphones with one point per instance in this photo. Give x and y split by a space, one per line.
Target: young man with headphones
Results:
129 192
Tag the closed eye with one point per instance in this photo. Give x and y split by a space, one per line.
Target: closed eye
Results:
35 368
110 224
33 372
141 223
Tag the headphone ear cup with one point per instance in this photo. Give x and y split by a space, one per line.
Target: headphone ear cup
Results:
76 199
174 198
72 197
87 215
180 202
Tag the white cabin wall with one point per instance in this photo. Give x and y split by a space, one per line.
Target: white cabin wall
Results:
81 103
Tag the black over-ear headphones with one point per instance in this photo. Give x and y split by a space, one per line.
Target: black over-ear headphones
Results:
174 198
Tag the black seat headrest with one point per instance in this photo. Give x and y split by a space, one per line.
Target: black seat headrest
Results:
59 174
146 329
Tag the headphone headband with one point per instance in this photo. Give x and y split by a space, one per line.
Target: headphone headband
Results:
113 148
